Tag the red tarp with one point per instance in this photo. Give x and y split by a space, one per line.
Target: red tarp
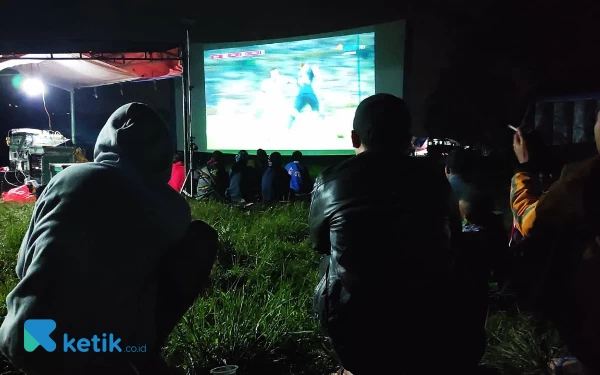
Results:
74 70
19 194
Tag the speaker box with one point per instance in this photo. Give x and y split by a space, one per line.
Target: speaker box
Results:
55 155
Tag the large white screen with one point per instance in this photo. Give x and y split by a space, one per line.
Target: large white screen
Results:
297 95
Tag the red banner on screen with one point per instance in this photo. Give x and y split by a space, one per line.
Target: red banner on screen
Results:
233 55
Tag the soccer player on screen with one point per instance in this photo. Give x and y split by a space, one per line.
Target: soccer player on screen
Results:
275 83
307 77
273 92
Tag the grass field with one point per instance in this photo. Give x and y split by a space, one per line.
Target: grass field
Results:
257 311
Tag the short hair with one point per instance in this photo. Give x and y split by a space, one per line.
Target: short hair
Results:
217 156
297 156
273 69
382 121
261 153
177 158
457 161
275 158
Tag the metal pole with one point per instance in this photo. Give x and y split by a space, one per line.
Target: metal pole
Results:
73 116
187 109
184 116
358 66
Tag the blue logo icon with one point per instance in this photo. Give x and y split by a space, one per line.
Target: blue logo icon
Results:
37 333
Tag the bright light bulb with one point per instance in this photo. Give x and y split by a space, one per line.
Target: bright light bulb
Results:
33 87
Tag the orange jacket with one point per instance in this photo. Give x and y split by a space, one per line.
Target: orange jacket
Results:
559 230
562 202
525 193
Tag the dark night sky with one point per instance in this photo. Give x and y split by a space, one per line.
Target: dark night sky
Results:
18 110
505 54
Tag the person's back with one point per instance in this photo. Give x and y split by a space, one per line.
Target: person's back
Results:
275 181
90 258
561 245
390 245
300 181
213 179
483 251
405 217
458 168
241 180
238 183
221 177
561 254
261 162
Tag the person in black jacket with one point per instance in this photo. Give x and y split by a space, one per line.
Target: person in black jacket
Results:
390 245
261 163
216 168
241 180
483 258
275 180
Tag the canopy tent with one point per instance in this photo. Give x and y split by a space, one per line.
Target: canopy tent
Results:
73 71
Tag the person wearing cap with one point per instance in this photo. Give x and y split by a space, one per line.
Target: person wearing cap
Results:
390 249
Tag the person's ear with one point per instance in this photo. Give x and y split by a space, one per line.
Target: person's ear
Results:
447 170
355 140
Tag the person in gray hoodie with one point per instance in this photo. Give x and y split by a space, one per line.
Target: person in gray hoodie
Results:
107 258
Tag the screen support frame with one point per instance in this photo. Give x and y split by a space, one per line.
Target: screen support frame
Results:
188 153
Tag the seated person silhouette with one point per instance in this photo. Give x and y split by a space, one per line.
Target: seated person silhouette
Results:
483 250
383 240
275 181
214 174
177 173
261 162
300 181
110 249
242 180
